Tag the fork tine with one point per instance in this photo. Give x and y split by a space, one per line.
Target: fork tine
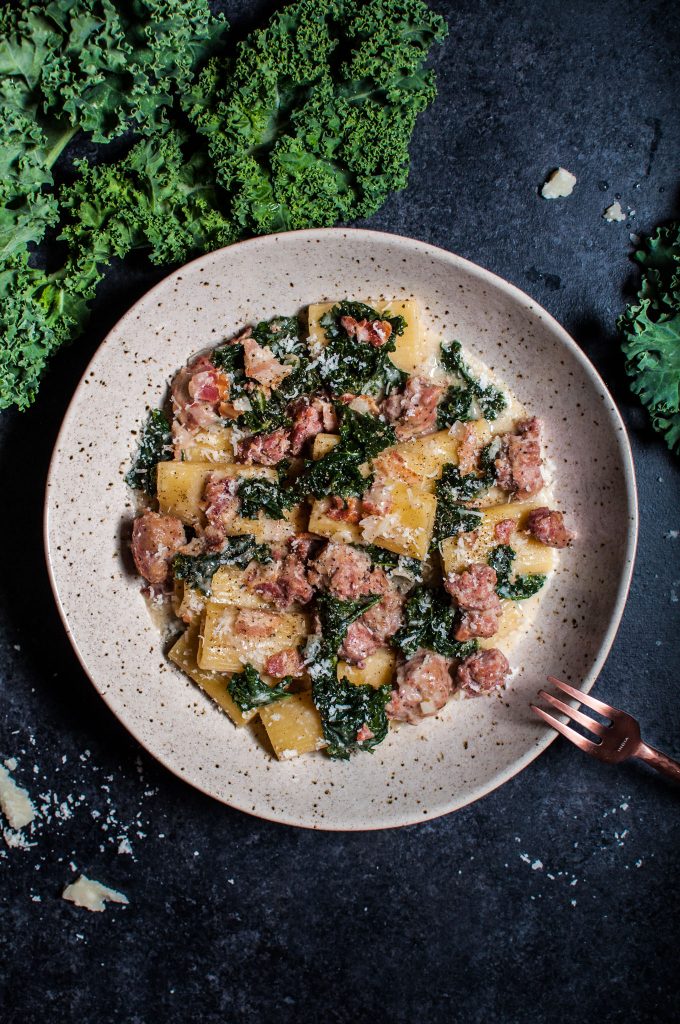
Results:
574 737
597 727
583 698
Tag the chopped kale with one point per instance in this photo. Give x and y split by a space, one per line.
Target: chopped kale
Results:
523 585
459 401
343 707
248 690
268 496
282 335
228 358
267 414
338 472
155 445
458 487
391 562
430 621
198 570
452 490
347 365
337 616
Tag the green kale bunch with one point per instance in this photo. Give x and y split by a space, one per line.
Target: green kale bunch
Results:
650 329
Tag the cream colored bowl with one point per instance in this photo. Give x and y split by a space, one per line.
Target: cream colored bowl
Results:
473 745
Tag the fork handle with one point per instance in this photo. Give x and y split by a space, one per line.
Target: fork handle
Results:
662 762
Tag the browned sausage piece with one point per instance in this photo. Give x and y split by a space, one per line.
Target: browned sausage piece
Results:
414 410
423 686
285 663
518 465
548 526
156 539
482 672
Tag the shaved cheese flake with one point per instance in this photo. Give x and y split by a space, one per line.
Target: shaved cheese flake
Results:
92 895
559 185
15 802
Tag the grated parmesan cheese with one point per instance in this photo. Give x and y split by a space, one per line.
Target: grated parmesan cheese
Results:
15 802
92 895
614 213
559 185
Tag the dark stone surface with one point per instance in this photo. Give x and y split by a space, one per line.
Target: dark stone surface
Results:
553 899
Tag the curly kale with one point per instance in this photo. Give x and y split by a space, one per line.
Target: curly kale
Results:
466 401
452 517
308 124
198 570
401 565
344 707
339 471
248 689
650 329
522 586
282 334
155 445
430 621
268 496
347 365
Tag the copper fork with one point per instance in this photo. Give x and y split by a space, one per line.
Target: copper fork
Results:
619 740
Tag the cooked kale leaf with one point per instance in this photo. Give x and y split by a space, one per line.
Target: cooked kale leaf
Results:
248 689
347 365
430 621
266 496
391 562
338 473
267 414
452 517
155 445
198 570
523 585
458 404
344 708
282 335
228 358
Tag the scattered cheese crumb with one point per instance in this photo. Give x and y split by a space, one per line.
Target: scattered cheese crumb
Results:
11 763
124 846
15 802
559 185
92 895
614 213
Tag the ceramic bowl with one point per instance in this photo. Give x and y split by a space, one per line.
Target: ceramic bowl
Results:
474 745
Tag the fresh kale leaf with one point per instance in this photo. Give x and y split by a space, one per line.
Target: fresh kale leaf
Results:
338 472
650 330
347 365
523 585
155 445
268 496
198 570
458 404
248 689
430 621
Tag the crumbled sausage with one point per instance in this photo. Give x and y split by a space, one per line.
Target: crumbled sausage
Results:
285 663
518 464
414 410
474 591
156 539
548 526
482 672
346 572
283 582
503 530
373 628
265 449
422 687
221 505
309 419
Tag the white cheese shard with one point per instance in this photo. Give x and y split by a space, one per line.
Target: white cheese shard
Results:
15 802
92 895
614 213
559 185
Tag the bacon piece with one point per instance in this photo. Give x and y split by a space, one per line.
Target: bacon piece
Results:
414 410
371 332
156 539
364 733
302 544
373 628
221 505
504 529
265 449
255 624
283 582
285 663
518 465
365 404
262 365
346 510
468 450
482 672
548 526
423 686
196 391
346 572
474 591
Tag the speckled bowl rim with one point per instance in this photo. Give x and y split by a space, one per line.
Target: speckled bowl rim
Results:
530 305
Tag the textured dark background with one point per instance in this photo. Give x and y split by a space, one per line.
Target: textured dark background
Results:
553 899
